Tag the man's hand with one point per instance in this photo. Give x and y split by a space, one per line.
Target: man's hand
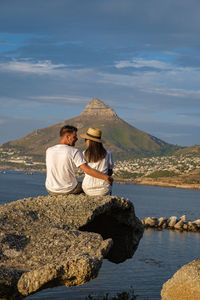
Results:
94 173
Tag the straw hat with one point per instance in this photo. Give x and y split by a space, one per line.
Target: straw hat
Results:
93 134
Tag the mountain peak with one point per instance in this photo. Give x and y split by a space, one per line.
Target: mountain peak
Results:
124 140
98 109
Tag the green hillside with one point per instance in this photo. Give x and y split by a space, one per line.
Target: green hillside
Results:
124 140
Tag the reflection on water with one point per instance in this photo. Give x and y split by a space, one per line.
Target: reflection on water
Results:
173 235
183 236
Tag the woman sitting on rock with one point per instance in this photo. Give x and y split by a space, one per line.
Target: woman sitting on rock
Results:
97 158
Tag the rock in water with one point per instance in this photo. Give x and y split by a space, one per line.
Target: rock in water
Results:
185 284
172 221
53 240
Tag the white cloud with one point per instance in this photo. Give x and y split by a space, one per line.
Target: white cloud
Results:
195 94
33 102
165 79
142 63
61 99
40 67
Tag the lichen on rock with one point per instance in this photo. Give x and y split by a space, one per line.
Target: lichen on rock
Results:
54 240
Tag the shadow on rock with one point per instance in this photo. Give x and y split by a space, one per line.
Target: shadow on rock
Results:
125 237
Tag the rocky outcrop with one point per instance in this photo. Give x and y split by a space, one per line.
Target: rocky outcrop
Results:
172 223
96 109
185 284
53 240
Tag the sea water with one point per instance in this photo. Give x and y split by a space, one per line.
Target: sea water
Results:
159 255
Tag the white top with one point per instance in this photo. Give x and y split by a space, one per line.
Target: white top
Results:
61 161
94 186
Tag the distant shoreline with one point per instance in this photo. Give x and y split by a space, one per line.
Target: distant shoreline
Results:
139 181
159 183
22 170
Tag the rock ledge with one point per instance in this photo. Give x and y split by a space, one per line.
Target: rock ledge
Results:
54 240
185 284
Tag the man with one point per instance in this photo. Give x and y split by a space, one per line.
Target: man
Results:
61 160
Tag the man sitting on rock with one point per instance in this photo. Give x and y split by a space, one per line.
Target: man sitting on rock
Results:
60 162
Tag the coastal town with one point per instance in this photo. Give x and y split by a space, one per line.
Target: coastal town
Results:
158 166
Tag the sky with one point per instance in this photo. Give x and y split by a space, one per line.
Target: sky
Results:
140 57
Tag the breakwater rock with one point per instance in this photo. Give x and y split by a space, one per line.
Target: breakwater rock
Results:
185 283
53 240
172 223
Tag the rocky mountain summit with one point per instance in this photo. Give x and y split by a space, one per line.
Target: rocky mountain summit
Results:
96 109
53 240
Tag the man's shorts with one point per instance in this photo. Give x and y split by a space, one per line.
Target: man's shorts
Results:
77 190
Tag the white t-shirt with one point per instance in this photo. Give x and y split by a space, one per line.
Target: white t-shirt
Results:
61 161
93 186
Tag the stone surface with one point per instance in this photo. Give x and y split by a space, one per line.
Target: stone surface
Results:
185 284
193 226
150 222
162 221
96 109
185 226
53 240
183 218
197 222
179 225
172 221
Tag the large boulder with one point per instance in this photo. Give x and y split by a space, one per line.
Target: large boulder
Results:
185 284
53 240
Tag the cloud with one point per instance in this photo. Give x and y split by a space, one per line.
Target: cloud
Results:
125 12
156 77
195 94
64 99
172 23
165 79
40 67
119 51
142 63
171 132
190 114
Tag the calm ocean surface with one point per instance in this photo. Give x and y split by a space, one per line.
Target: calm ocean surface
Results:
159 255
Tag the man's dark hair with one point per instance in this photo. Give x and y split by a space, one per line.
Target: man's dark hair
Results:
67 129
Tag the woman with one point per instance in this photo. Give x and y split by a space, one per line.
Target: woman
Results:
97 158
